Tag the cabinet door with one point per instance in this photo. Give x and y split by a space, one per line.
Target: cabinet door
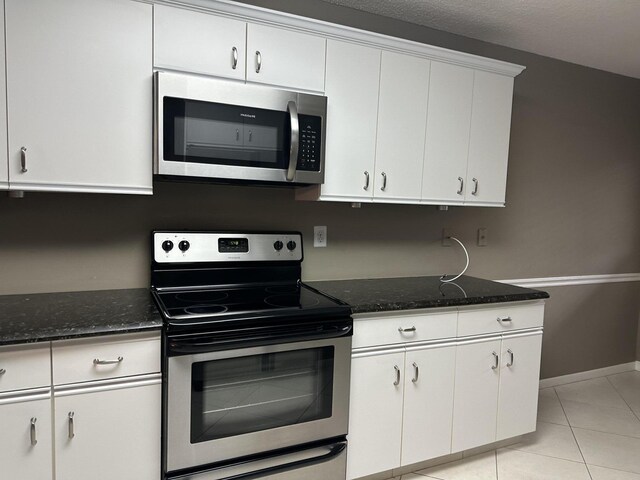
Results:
519 383
198 42
281 57
4 165
353 78
115 433
489 141
428 403
19 457
402 117
447 140
375 412
476 394
79 81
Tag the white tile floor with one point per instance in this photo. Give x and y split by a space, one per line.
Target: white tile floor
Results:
587 430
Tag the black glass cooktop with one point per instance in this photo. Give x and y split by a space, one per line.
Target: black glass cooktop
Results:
248 300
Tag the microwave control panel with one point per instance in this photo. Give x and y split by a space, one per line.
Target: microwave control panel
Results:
310 143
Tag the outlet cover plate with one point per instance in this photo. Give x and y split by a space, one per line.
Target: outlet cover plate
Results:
320 236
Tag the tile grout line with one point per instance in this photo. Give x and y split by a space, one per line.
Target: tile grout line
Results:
623 399
573 434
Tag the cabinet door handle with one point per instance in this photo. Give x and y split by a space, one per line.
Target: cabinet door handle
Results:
510 362
475 186
496 359
71 432
461 180
502 320
366 180
97 361
397 369
2 371
234 58
34 440
417 373
384 182
23 159
410 329
258 61
237 134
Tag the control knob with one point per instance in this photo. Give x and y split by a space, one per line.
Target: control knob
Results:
167 245
291 245
184 246
278 245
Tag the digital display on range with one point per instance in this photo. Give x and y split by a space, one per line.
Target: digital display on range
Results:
233 245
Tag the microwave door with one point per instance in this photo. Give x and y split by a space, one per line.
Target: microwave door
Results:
292 110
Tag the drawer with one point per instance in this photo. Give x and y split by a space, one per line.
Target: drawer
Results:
513 316
106 357
403 327
25 366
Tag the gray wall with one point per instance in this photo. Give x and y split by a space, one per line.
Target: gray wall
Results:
572 209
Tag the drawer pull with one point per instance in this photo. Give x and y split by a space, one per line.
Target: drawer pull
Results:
496 359
2 371
97 361
34 440
502 320
510 362
397 369
410 329
415 377
71 429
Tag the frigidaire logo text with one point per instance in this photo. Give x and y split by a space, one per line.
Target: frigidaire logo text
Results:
248 115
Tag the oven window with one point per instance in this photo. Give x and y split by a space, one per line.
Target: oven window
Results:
236 396
216 133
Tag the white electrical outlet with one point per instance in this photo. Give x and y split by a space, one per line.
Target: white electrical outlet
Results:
320 236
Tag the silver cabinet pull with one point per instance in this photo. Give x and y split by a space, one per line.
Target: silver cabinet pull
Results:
34 440
2 371
496 359
294 146
234 58
475 186
258 61
410 329
510 362
250 135
23 159
384 182
502 320
461 180
397 369
417 373
237 134
71 432
97 361
366 180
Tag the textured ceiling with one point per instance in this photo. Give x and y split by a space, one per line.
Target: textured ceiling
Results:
603 34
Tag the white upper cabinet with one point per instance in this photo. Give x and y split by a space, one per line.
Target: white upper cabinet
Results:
489 141
79 81
198 42
352 82
402 117
280 57
447 139
4 165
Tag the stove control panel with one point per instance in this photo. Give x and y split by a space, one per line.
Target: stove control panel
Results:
207 247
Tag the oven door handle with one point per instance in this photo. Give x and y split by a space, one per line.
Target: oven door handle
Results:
179 346
252 470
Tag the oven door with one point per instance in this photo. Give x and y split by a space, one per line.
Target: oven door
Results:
233 403
225 130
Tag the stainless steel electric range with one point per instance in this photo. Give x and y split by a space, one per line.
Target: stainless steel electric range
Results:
256 364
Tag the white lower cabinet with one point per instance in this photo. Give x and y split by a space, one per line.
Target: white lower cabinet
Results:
108 432
25 437
375 412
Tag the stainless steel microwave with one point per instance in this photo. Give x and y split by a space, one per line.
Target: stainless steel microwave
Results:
221 130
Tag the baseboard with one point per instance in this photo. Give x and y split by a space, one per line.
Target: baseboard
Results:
590 374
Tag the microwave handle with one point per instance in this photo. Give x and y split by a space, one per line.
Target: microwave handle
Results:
292 109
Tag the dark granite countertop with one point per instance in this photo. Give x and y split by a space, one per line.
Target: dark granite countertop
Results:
55 316
387 294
